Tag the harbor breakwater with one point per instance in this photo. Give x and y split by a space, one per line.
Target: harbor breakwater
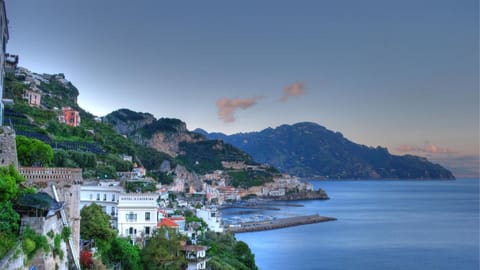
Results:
277 223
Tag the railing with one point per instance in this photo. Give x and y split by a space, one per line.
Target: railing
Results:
74 252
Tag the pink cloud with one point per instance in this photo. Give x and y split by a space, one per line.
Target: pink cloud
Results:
227 107
294 90
426 149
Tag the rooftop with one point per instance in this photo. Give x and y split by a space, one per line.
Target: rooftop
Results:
166 222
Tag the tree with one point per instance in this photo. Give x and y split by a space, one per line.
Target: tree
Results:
10 178
124 252
9 219
74 159
33 152
95 224
105 171
162 251
244 254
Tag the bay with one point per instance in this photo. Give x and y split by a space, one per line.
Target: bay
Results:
381 225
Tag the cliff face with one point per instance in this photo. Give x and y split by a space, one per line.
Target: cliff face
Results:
125 121
164 134
164 142
310 150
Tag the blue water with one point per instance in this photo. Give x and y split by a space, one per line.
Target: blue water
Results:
381 225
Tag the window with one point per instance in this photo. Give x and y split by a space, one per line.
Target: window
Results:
91 196
113 211
147 230
113 197
98 196
130 231
104 197
147 216
131 217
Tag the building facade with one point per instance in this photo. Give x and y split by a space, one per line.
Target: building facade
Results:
137 215
33 97
70 117
212 218
105 194
11 63
66 182
196 257
3 43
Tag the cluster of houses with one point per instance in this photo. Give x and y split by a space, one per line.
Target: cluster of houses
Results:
137 215
33 93
216 191
281 186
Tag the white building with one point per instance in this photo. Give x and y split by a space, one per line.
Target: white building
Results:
139 171
196 257
126 158
105 194
212 218
137 215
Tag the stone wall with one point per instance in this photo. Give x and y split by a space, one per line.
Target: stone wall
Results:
8 147
42 225
13 259
16 259
67 182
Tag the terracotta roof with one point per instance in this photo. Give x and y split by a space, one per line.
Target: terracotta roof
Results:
166 222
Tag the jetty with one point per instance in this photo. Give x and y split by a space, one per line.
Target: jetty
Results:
277 223
263 205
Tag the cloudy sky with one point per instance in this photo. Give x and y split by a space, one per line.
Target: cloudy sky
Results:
400 74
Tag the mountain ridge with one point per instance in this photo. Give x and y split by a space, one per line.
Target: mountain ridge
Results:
309 150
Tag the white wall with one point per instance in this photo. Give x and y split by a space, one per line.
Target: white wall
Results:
132 210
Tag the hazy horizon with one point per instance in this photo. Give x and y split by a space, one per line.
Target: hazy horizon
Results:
401 75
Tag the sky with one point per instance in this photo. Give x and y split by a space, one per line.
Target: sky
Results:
399 74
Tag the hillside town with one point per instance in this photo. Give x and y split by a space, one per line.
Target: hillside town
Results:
70 177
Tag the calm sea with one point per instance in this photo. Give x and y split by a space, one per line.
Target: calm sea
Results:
381 225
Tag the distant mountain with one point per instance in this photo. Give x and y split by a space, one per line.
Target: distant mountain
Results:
312 151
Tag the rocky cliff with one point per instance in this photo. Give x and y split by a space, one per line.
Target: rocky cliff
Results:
164 134
125 121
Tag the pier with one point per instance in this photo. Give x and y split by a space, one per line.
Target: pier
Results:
277 223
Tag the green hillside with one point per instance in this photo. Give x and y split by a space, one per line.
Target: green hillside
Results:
96 145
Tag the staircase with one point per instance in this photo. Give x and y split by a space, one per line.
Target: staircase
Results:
71 246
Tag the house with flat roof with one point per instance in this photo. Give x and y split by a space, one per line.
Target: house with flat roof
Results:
104 193
137 215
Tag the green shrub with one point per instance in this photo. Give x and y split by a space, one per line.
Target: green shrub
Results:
66 232
57 240
8 241
32 242
28 246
